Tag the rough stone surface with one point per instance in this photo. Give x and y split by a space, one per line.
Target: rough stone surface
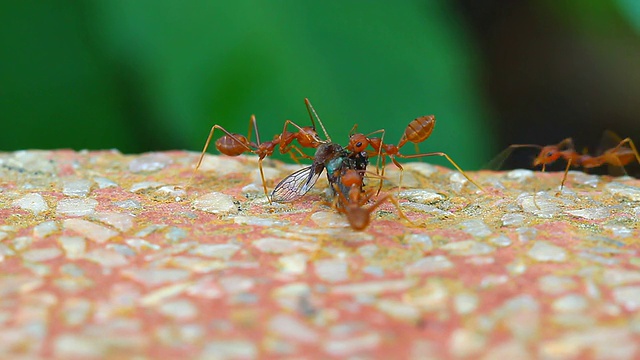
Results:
104 255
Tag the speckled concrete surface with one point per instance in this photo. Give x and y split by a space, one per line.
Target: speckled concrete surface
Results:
108 255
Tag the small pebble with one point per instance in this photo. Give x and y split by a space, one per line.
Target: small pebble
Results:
596 213
76 187
545 251
44 229
429 264
627 192
32 202
215 203
520 175
90 230
76 207
149 162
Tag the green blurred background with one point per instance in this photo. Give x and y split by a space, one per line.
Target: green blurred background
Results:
156 75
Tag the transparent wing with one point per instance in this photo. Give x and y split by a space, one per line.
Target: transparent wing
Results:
297 184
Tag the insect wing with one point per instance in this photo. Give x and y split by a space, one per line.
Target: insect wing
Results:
296 185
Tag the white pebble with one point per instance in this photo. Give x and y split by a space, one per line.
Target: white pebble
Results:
329 219
42 254
73 246
106 258
259 221
512 219
45 229
585 179
215 203
468 248
281 246
466 343
149 162
154 277
570 303
76 207
476 227
545 251
628 296
145 185
422 240
221 165
429 264
291 328
32 202
76 187
237 284
457 181
219 251
542 205
294 264
398 309
553 284
421 196
520 175
354 345
422 168
180 310
122 222
616 276
596 213
332 270
465 303
229 349
104 183
92 231
501 240
373 287
623 191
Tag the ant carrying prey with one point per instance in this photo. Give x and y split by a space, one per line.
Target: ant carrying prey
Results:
416 132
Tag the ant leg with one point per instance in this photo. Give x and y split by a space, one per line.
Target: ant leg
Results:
300 153
264 183
395 203
564 178
384 163
287 141
448 158
206 146
397 164
633 147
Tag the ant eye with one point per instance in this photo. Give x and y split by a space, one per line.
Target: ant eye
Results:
359 144
549 154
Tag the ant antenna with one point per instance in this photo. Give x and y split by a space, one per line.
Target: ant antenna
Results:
310 109
255 128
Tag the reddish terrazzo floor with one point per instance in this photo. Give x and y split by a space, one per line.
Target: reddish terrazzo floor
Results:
99 271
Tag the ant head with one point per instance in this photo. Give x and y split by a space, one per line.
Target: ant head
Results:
547 155
358 217
357 143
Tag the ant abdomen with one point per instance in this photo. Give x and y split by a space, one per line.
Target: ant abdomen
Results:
233 147
419 129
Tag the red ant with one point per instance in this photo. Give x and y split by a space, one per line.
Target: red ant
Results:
416 132
236 144
618 155
352 204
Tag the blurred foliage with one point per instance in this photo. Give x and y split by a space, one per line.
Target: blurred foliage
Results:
155 75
